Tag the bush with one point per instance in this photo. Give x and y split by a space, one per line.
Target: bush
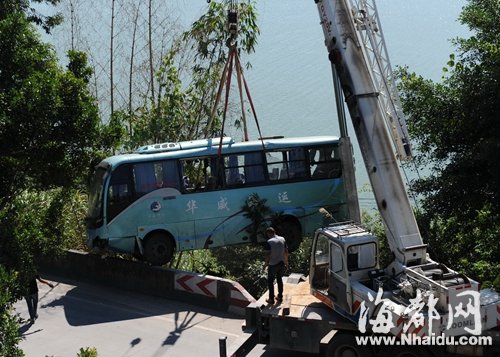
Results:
33 224
9 323
37 223
87 352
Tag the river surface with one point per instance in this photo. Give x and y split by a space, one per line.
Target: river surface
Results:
290 80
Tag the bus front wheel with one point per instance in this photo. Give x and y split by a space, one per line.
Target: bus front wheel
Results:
158 248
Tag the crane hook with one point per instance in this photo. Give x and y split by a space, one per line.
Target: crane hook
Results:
232 26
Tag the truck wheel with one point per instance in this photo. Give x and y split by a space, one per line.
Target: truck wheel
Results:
291 231
158 248
344 345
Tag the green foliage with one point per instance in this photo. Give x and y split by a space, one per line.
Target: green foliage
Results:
9 7
111 135
37 223
187 94
201 261
468 246
455 126
256 211
9 323
373 222
299 260
244 264
482 18
48 126
496 283
87 352
209 33
33 224
47 114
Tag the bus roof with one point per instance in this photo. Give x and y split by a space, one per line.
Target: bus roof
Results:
209 147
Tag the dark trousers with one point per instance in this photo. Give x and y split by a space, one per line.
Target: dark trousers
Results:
32 301
275 271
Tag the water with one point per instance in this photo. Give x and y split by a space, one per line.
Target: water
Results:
290 79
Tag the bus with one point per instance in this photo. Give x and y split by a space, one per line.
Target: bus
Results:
196 194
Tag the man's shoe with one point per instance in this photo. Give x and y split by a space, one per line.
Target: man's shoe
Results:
279 300
270 301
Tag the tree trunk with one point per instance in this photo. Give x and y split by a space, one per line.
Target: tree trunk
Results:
132 52
150 44
111 57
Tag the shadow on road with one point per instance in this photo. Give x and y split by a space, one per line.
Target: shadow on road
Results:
87 304
181 327
27 327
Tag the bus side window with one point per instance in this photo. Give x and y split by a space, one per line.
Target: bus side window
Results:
254 171
120 192
145 178
275 165
287 165
199 174
233 175
324 163
214 174
170 174
297 163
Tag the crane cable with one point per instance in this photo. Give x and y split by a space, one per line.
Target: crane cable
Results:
233 60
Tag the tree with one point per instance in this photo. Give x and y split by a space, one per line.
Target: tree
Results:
9 329
32 15
50 132
125 42
47 114
186 93
455 126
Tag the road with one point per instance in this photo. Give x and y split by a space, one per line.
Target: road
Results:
73 315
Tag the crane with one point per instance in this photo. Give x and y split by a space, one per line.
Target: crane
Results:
413 295
360 64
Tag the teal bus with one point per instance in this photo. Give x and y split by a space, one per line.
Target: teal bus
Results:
192 195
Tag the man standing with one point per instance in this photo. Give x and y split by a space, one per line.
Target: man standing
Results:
276 260
32 296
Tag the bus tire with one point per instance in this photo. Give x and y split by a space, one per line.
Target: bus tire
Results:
344 345
290 229
158 248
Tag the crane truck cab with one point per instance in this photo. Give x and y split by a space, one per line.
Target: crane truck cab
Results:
341 254
425 300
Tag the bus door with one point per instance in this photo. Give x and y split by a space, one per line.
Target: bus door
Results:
203 202
159 202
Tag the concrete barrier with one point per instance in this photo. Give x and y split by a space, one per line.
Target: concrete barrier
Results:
198 289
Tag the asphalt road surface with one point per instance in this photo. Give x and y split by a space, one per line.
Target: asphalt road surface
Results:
75 315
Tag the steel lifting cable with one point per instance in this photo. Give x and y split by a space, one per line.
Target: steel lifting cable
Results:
217 98
228 87
233 59
247 91
239 75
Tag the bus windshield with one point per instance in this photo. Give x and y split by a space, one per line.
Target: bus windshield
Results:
94 216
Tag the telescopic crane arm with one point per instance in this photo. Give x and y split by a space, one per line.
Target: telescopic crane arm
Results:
357 52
